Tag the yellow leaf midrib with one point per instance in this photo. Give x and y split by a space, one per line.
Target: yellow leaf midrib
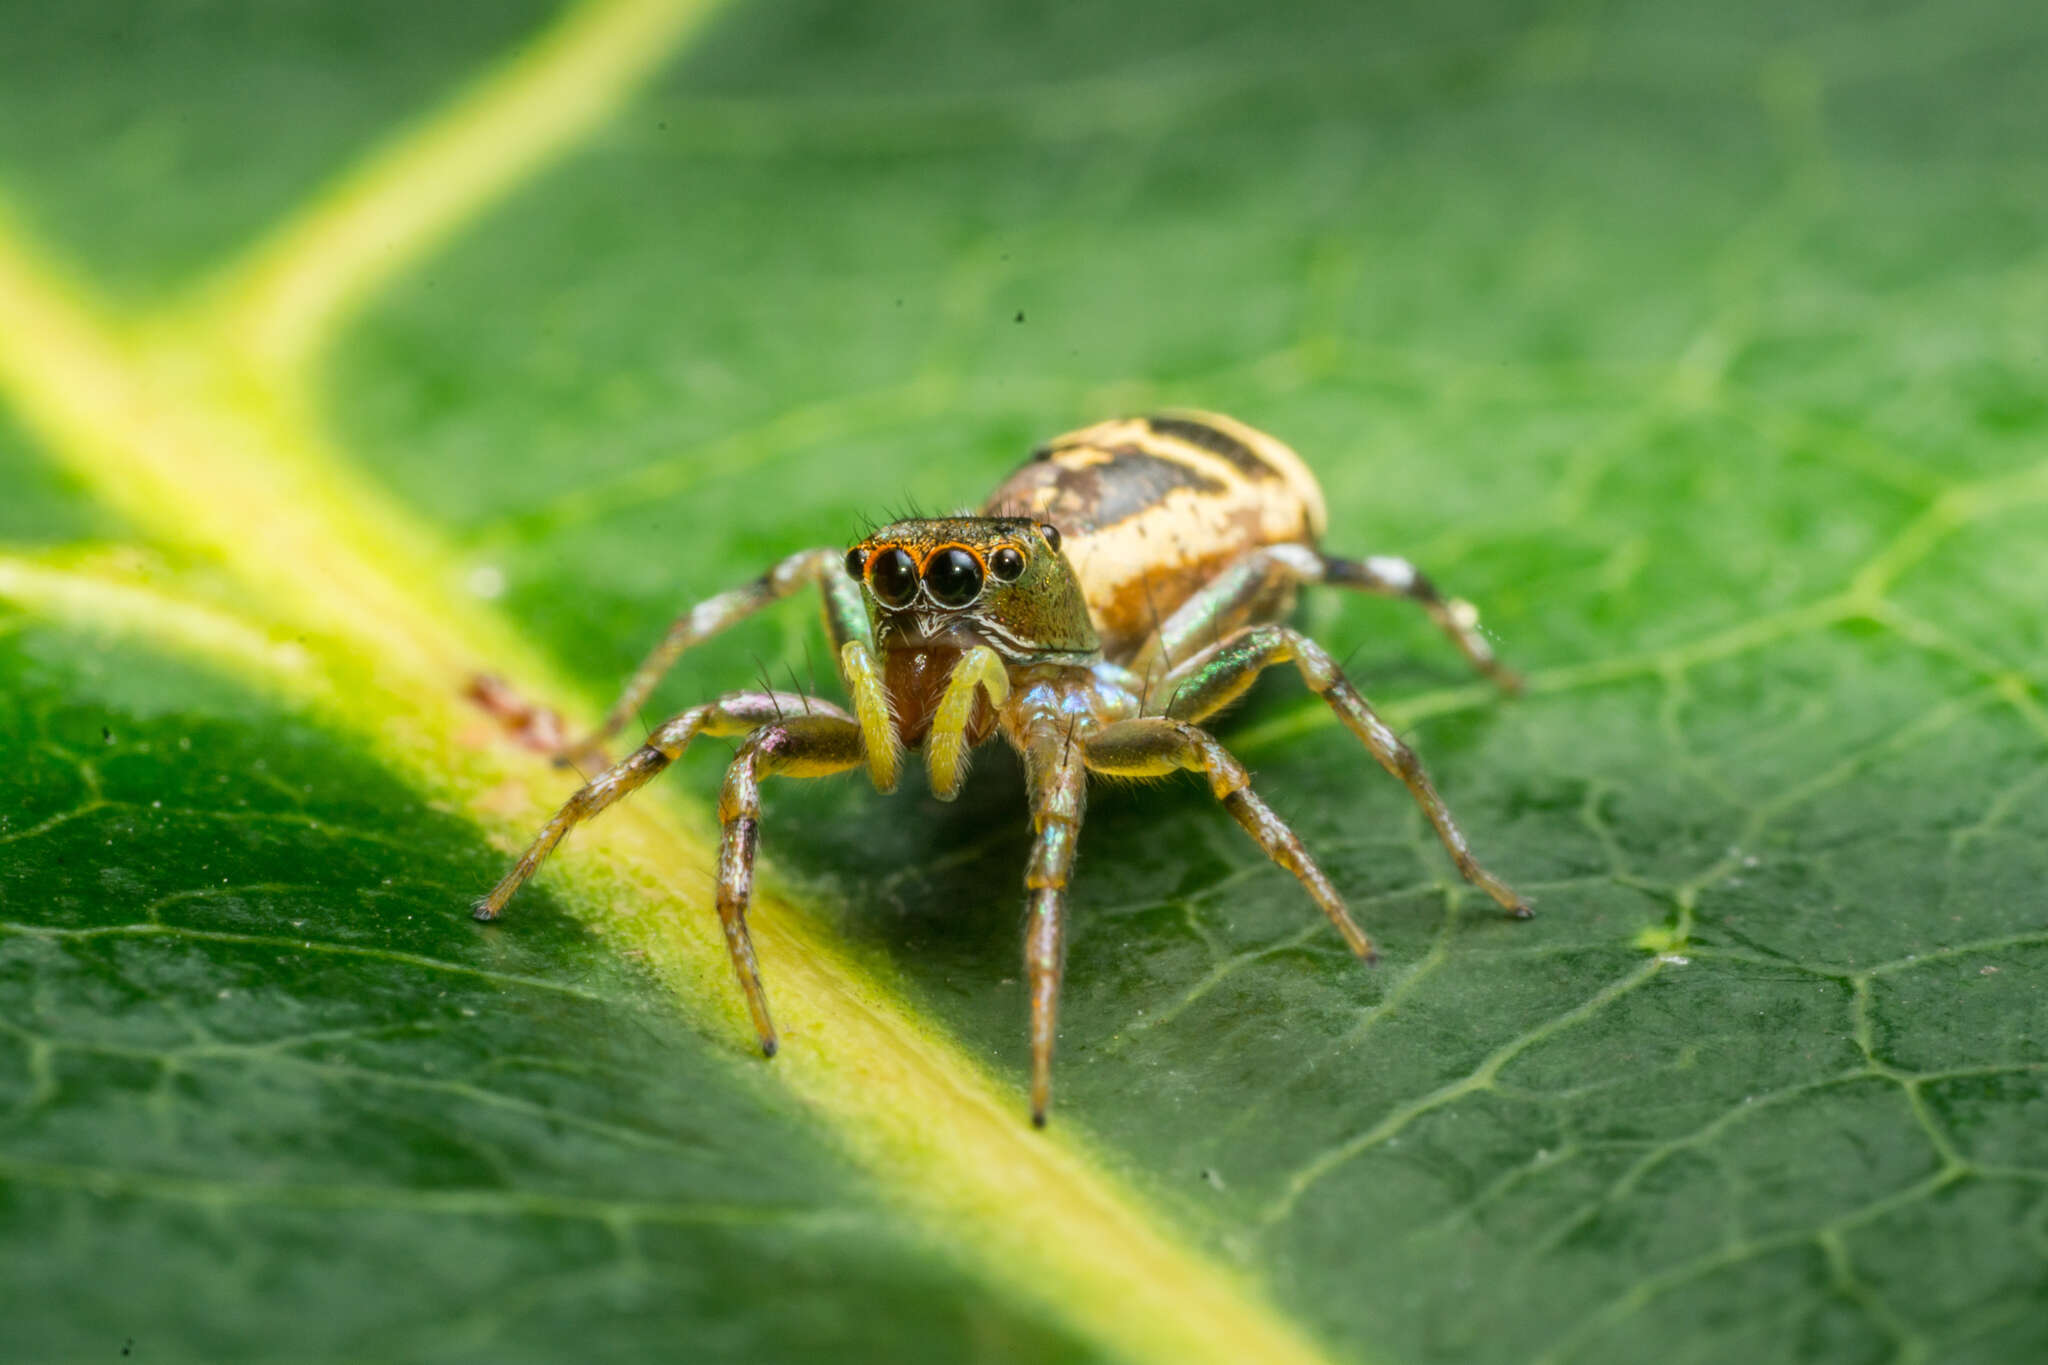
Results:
192 426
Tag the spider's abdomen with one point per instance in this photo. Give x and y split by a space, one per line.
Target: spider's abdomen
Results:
1151 508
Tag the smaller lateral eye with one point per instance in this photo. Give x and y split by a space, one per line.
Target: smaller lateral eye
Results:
1051 534
856 562
1006 564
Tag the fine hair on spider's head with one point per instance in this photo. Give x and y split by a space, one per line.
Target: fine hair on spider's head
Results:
953 583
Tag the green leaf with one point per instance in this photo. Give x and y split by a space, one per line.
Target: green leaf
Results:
267 1096
1702 354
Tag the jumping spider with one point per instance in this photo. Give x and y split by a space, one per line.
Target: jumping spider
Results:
1126 583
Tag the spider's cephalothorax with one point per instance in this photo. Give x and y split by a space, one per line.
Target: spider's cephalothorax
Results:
941 588
1125 584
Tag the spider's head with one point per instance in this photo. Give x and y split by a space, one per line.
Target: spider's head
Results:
950 583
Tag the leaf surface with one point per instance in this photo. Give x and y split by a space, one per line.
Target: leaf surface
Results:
1703 356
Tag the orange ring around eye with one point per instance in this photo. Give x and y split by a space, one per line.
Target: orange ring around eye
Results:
899 591
937 550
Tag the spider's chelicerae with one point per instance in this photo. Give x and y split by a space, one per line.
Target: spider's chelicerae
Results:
1125 584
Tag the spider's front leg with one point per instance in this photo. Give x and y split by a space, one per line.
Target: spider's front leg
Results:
799 746
1217 676
1154 746
736 713
1058 779
846 621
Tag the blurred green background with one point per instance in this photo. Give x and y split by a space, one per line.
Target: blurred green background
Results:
1701 346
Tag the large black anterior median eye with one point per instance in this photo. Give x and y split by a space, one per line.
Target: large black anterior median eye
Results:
953 578
893 576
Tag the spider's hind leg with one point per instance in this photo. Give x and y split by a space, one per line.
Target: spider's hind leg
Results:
1454 616
1259 585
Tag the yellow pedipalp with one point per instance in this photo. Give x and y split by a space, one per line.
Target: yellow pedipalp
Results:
946 746
871 709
